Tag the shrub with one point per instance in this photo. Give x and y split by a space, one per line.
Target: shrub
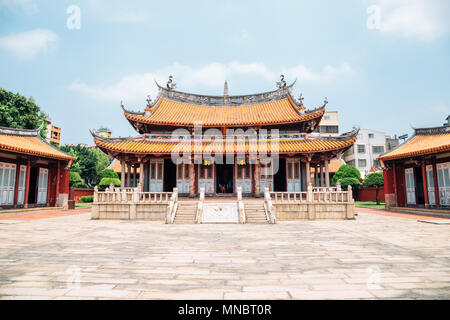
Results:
346 171
105 182
87 199
75 179
109 173
349 181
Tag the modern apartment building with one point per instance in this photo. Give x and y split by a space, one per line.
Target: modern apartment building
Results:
329 125
53 133
369 146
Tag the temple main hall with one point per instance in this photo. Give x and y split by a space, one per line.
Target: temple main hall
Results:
219 143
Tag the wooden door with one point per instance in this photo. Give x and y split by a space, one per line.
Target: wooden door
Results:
266 177
293 175
410 186
183 180
7 183
430 185
206 178
156 175
443 171
21 187
42 186
244 178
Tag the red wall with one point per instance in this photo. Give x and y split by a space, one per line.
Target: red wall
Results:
370 194
77 193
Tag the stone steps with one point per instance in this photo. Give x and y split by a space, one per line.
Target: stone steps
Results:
255 213
186 213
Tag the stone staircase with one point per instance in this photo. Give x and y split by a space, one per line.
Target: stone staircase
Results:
254 212
186 212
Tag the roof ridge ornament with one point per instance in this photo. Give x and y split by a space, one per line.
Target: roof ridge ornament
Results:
300 100
282 83
170 85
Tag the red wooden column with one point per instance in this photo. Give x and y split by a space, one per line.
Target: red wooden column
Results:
394 168
16 183
58 175
436 185
425 185
27 184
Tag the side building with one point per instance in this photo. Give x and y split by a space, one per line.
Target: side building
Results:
33 173
417 173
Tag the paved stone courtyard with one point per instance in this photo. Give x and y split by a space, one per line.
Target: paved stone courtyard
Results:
73 257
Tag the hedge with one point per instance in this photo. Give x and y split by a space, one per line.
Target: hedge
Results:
87 199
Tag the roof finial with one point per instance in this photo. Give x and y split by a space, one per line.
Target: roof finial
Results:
171 85
282 83
225 89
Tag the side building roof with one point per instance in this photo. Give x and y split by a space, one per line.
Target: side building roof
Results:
29 142
424 141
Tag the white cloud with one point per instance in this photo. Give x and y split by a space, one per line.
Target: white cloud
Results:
29 6
328 73
422 19
134 88
28 44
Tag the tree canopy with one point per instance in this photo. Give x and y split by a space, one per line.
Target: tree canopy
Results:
374 179
89 164
18 112
346 171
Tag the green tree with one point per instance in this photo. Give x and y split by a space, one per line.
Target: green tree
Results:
16 111
346 171
105 182
349 181
89 164
109 173
75 179
374 179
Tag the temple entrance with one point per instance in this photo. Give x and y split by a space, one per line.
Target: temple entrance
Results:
33 185
224 182
280 183
419 185
170 175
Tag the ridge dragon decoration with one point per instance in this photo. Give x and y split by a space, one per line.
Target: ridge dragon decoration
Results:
170 85
282 83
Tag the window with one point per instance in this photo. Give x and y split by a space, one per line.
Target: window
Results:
362 162
351 163
378 149
371 135
243 171
361 148
376 163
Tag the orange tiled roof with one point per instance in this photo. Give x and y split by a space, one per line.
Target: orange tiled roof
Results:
171 112
421 144
143 146
30 144
117 167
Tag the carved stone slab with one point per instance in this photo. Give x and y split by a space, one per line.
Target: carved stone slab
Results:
220 213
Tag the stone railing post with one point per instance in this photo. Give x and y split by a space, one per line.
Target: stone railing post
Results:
95 195
134 202
349 194
95 213
111 187
124 196
338 186
240 205
309 195
199 213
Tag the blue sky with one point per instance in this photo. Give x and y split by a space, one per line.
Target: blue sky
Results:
383 64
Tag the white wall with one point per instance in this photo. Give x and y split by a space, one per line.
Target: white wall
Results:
356 158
